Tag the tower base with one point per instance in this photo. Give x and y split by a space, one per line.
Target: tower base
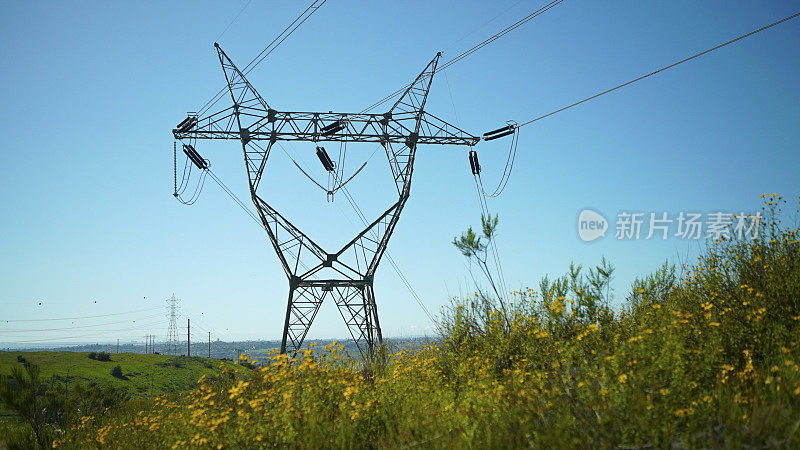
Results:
355 300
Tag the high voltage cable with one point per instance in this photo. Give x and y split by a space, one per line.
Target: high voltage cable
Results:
474 30
235 198
308 12
500 34
515 139
89 333
472 50
242 205
389 258
482 195
234 19
512 154
103 331
24 330
264 53
662 69
204 326
501 282
96 334
80 317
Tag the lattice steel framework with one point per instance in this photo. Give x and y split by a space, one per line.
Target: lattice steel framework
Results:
172 331
347 274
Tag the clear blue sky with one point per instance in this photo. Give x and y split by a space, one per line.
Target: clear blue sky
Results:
90 92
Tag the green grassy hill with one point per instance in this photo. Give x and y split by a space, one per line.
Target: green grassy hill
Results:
143 374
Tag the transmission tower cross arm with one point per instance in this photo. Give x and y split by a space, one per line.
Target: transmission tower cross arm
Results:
273 125
251 118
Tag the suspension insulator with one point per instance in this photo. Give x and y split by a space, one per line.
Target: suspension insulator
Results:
326 161
187 124
195 157
185 121
473 162
332 128
498 133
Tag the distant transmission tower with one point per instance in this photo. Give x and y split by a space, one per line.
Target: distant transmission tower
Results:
172 333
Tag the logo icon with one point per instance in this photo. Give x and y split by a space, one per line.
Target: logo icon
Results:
591 225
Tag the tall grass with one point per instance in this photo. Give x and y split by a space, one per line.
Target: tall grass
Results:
707 358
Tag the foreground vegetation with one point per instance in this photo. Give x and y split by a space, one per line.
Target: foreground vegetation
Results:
49 391
707 358
141 374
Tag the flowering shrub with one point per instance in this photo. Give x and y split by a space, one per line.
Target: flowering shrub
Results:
706 359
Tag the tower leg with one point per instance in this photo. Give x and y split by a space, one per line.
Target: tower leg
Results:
288 315
357 307
376 323
355 300
304 303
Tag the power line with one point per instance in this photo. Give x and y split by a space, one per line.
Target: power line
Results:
492 243
500 34
512 154
291 28
205 326
473 49
389 258
482 194
234 19
313 7
201 182
96 334
470 33
662 69
235 198
80 317
21 330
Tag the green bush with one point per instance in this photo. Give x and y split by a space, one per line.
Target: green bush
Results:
24 393
117 372
41 411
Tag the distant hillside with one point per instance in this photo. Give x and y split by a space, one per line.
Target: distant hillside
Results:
142 374
257 349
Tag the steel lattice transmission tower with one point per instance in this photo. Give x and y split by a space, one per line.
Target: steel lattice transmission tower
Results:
346 274
172 332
